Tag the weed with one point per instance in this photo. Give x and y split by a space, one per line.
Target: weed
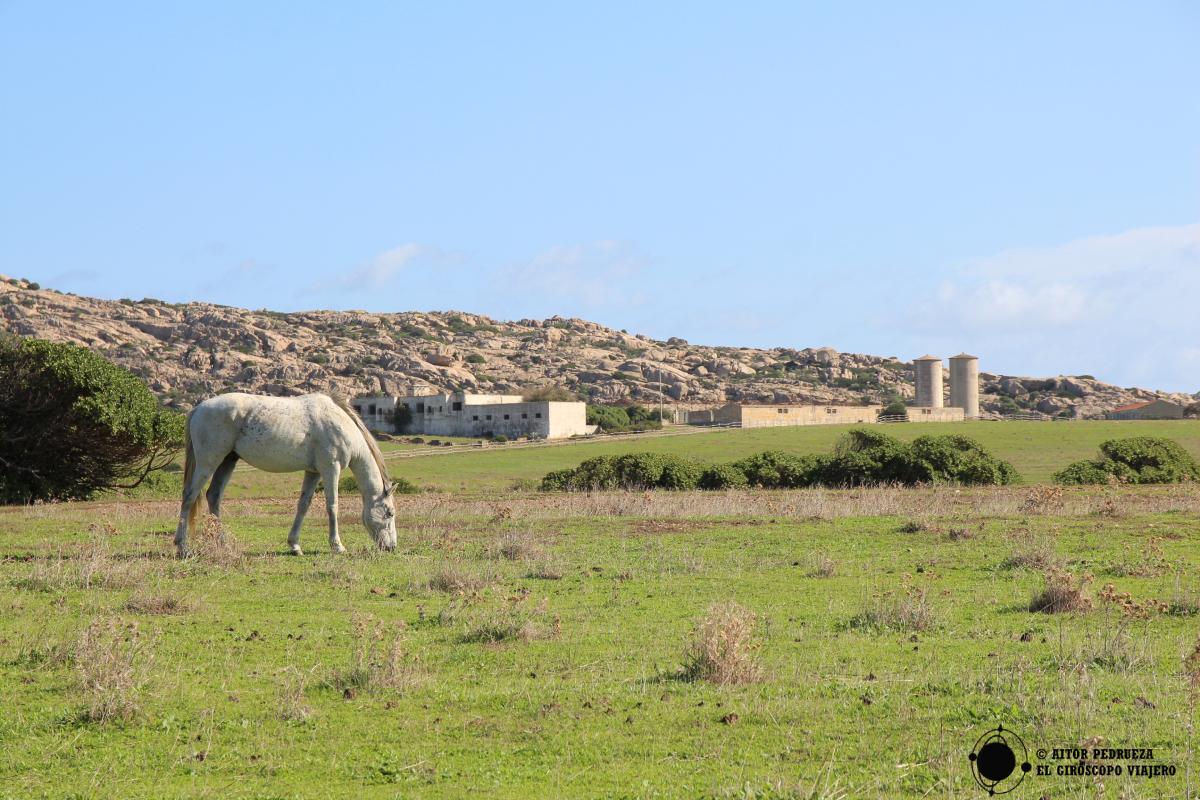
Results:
724 646
907 609
516 547
455 578
378 659
517 619
820 565
214 545
1063 592
111 659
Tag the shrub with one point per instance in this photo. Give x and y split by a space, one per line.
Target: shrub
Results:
74 424
775 470
894 409
548 392
404 486
723 476
609 418
401 418
475 358
958 459
1140 459
681 475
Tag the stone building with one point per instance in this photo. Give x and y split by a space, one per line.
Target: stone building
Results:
477 415
1152 409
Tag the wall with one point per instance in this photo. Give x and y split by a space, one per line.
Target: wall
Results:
772 416
948 414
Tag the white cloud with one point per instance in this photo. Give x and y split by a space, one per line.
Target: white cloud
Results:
588 276
1122 306
380 270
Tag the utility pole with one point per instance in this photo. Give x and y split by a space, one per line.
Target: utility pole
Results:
660 397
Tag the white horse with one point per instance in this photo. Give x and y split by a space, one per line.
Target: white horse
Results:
313 433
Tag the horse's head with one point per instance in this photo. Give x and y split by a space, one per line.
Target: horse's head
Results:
379 518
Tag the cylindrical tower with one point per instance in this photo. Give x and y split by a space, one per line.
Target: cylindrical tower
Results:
964 384
929 381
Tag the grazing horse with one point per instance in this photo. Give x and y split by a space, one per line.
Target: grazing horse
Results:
314 433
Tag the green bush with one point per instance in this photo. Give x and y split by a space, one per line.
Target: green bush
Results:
73 424
475 358
609 418
894 409
1139 459
861 458
722 476
404 486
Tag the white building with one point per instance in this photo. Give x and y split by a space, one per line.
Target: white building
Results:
477 415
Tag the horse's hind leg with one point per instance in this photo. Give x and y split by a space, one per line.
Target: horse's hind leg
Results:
220 480
307 490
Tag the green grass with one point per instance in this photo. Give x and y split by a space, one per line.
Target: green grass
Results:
1036 449
272 679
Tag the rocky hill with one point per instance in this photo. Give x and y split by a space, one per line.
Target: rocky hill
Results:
190 351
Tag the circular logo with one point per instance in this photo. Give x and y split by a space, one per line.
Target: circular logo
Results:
994 761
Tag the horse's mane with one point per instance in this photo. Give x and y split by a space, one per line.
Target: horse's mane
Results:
341 403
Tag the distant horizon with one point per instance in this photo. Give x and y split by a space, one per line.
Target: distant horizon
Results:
954 177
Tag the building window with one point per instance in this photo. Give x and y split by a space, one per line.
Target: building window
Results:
538 415
506 416
457 406
420 408
524 416
475 418
371 409
489 417
441 409
831 411
783 410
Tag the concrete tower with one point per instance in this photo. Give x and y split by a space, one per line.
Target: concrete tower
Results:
929 381
964 384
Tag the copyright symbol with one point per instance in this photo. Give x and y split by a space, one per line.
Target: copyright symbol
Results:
1041 753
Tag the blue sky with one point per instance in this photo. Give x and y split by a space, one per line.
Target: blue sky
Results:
1018 180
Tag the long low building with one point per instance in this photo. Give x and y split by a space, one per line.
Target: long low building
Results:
769 416
1151 409
476 415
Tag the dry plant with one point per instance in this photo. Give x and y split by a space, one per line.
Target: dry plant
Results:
456 578
517 619
158 601
820 565
293 707
514 546
1042 500
724 646
546 571
213 544
1139 562
1031 551
1063 592
905 609
94 567
379 658
111 662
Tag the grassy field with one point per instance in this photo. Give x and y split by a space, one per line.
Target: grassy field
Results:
527 645
1036 449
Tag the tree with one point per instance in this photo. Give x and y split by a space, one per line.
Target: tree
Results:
896 408
73 424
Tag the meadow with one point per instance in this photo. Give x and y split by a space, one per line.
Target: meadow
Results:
520 644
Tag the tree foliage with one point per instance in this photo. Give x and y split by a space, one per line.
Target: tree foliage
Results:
548 392
73 424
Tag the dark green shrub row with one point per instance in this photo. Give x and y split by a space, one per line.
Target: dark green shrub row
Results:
615 419
1140 459
862 458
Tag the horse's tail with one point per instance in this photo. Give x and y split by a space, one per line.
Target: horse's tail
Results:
189 468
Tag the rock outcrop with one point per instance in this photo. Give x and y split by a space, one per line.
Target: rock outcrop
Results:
190 351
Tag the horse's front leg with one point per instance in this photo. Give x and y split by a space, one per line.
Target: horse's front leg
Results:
307 490
330 477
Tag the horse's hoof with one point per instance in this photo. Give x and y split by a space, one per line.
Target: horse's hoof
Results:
296 551
337 548
182 553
